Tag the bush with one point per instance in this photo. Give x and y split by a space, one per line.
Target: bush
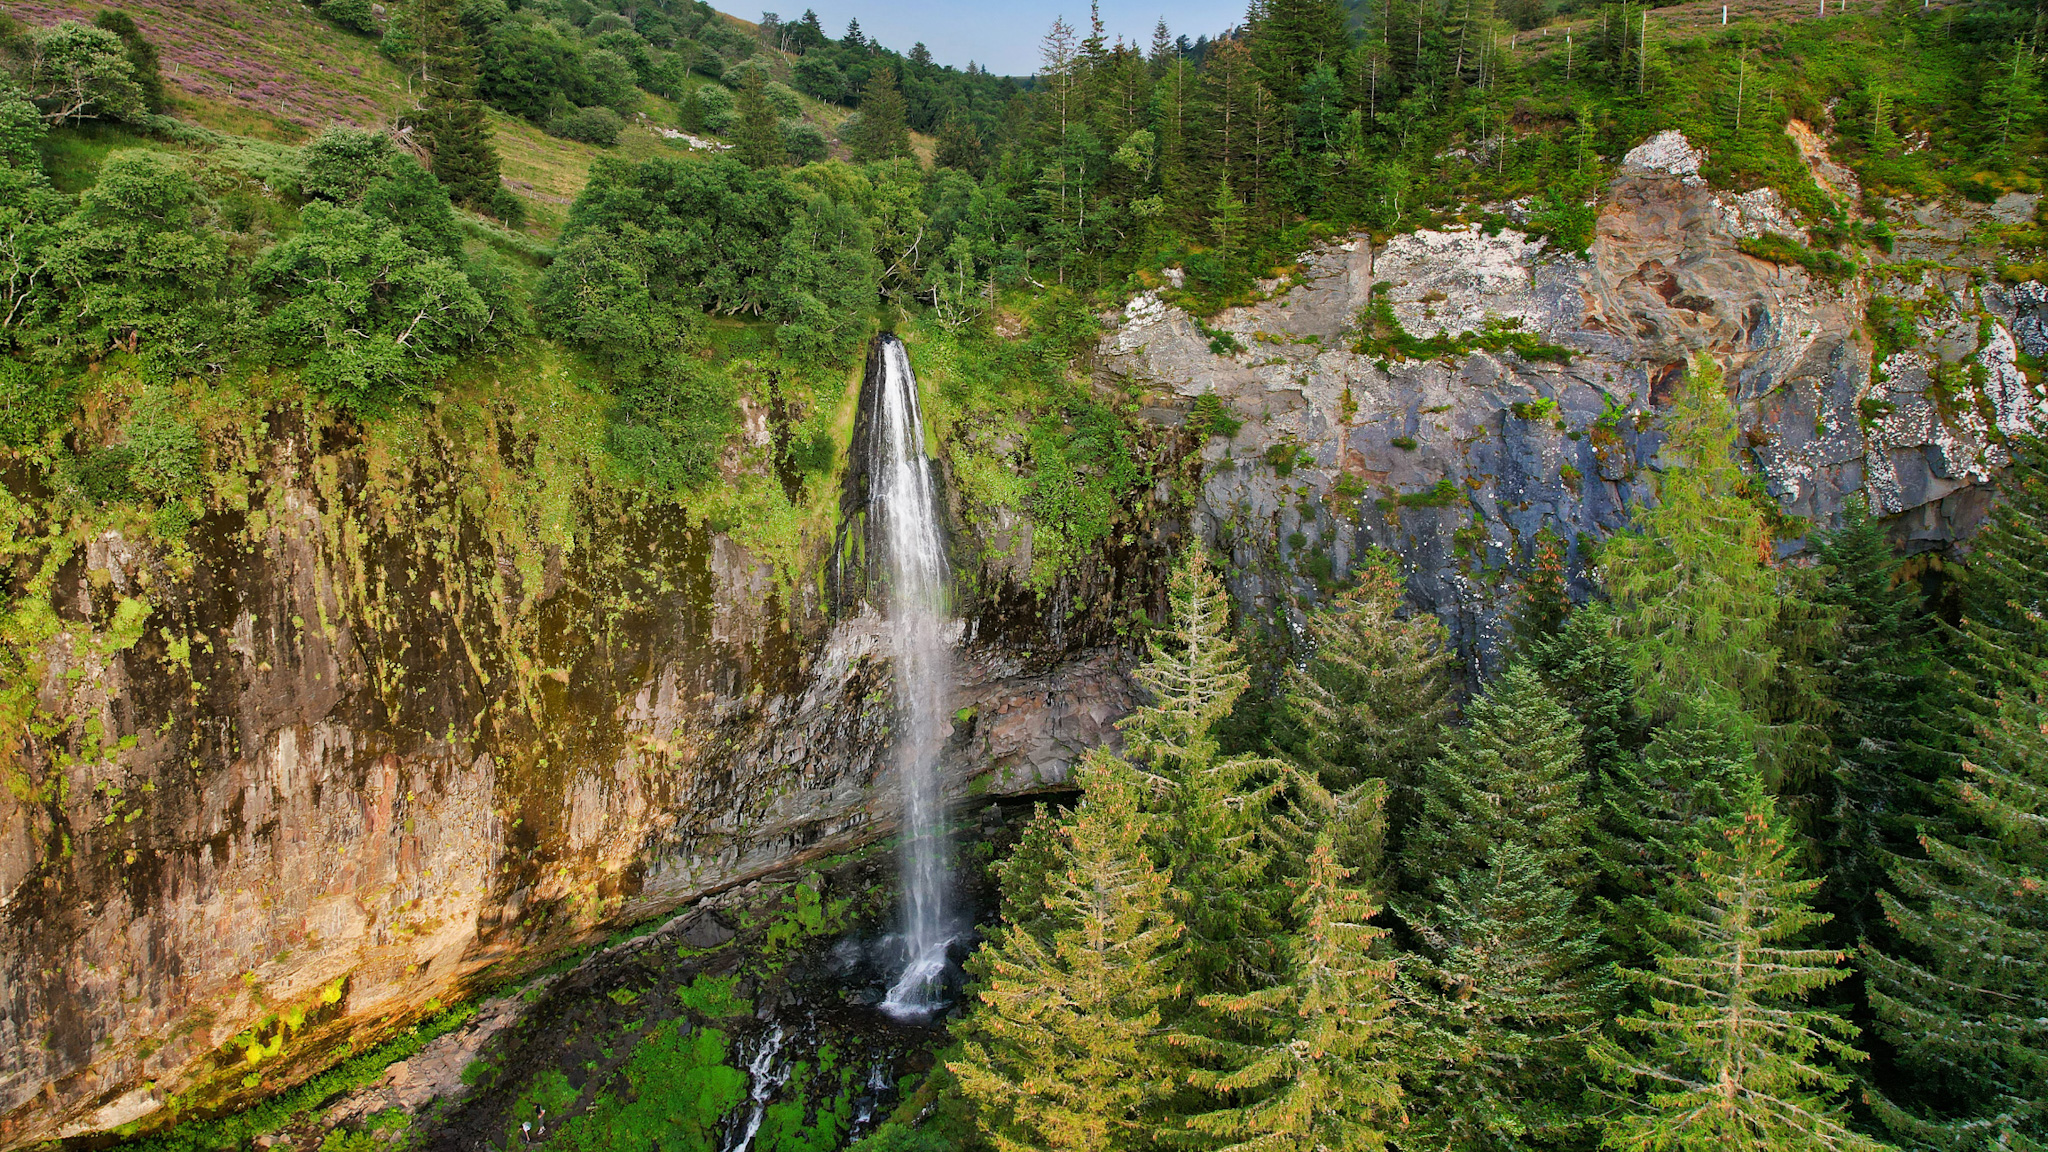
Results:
31 402
804 142
783 99
340 163
599 126
354 15
164 450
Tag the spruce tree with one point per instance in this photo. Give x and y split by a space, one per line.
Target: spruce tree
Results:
1211 806
1707 613
1066 1050
1959 977
1374 695
1657 811
1727 1056
1963 996
1291 37
1319 1068
759 142
881 133
1587 668
1508 988
1879 783
437 55
1513 774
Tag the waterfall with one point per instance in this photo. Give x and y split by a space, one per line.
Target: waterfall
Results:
765 1076
901 493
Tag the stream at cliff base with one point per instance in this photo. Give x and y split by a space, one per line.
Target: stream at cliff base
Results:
902 494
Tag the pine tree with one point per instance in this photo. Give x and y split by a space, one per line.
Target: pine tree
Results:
1508 989
1963 997
1376 692
1727 1056
2005 619
1880 781
1656 814
881 133
759 142
1065 1050
1291 37
1210 806
1320 1069
1587 668
1960 981
1513 774
438 57
1707 614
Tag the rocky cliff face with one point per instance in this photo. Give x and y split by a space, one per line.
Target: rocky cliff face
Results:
295 784
1457 461
370 733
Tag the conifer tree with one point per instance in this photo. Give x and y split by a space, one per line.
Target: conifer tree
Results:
1587 668
882 132
1211 806
759 142
1658 811
1879 783
1375 694
437 55
2005 582
1960 981
1727 1055
1291 37
1513 774
1320 1067
1546 602
1066 1049
1963 996
1509 989
1707 614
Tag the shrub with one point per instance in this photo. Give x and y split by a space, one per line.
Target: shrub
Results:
354 15
804 142
1213 417
340 163
596 125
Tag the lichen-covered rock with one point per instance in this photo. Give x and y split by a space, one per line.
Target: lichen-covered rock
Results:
1457 459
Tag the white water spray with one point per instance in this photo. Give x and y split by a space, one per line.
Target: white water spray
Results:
901 492
765 1075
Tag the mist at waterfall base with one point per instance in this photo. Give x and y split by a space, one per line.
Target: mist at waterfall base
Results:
919 628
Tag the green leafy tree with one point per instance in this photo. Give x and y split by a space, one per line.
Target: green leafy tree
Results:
142 57
1066 1049
75 73
1727 1054
371 318
1320 1069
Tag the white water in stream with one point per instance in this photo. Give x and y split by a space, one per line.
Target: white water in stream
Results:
901 493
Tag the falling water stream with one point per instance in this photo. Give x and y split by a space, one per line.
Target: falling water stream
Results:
901 493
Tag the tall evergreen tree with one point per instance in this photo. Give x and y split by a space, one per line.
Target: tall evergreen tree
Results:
1066 1049
1587 668
1320 1067
1727 1055
1211 806
1960 981
1290 38
882 132
1373 697
759 141
1513 774
437 55
1707 614
1879 782
1508 988
1963 996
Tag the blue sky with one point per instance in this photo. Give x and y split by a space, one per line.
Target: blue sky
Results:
1002 37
